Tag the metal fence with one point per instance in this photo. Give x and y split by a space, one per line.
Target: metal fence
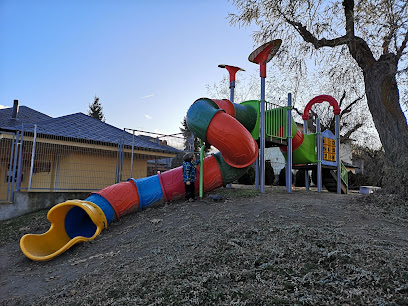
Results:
31 161
178 141
7 145
36 162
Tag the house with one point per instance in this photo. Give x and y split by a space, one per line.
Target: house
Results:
69 153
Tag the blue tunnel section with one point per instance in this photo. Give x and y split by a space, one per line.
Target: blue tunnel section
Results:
149 189
78 223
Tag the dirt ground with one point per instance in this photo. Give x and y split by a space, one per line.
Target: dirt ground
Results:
246 249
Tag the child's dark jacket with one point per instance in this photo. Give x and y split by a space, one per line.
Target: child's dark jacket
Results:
189 171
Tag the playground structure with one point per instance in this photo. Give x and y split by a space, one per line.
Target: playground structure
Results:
239 131
318 151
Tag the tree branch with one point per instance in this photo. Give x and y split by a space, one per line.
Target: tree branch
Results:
342 98
355 128
357 46
310 38
403 46
348 108
349 13
297 111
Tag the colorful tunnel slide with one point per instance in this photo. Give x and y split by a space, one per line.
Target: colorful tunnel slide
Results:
223 124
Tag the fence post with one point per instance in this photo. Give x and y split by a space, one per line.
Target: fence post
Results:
20 160
118 163
10 178
32 158
133 151
13 172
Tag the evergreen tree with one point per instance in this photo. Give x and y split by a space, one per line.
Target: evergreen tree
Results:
191 143
96 110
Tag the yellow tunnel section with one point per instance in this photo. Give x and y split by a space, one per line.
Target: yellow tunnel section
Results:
59 238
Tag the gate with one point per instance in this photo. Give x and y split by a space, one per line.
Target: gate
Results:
10 147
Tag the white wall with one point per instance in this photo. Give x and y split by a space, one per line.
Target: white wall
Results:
276 157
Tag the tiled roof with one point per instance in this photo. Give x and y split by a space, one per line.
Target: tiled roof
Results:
25 115
78 126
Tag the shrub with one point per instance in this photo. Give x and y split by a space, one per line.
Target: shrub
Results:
378 171
396 177
356 180
300 178
282 177
248 178
269 173
373 166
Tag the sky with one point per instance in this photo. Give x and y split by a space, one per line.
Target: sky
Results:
146 60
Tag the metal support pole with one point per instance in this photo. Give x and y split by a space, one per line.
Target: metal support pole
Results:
12 173
201 190
257 173
338 154
10 177
232 91
133 151
262 138
122 156
262 56
117 163
319 156
306 171
20 161
57 172
289 157
32 158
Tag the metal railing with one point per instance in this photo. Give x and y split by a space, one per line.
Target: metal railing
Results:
30 161
344 176
276 121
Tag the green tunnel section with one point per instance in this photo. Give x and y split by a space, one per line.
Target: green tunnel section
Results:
201 116
247 115
229 174
206 109
255 129
275 127
306 153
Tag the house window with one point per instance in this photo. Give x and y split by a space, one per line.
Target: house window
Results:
10 176
42 167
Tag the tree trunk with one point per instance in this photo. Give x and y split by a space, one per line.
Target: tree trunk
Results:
383 102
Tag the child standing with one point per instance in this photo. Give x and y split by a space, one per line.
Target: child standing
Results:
189 175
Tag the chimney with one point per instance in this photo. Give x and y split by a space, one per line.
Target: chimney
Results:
15 110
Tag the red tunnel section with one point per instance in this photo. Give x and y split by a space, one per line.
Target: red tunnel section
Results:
234 141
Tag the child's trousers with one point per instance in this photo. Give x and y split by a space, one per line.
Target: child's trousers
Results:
190 191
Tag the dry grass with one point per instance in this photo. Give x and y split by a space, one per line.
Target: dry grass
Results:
248 249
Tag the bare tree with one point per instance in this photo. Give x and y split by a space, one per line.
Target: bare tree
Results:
372 33
246 88
356 123
355 119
